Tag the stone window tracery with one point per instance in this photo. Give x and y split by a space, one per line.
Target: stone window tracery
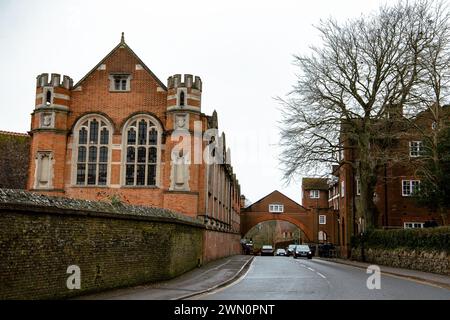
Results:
142 152
92 137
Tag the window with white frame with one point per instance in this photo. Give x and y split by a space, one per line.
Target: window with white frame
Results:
92 140
322 219
358 187
415 149
409 187
314 194
413 225
277 208
342 188
142 144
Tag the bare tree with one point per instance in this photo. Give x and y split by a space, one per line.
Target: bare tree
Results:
352 88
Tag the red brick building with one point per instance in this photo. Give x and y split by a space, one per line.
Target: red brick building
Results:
316 221
397 180
315 198
121 134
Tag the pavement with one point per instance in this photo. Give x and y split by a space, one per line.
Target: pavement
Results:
208 277
431 278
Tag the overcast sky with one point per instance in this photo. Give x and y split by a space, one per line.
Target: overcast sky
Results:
242 50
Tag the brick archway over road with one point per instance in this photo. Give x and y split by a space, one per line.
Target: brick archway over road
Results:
292 212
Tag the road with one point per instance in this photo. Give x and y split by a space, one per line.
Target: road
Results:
285 278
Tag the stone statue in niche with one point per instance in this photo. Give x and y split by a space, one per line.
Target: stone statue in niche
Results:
179 169
180 122
47 120
179 176
180 155
44 170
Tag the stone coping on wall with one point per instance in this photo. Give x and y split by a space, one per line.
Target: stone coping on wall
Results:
21 200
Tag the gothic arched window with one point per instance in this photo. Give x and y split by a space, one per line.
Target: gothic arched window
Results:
92 140
142 151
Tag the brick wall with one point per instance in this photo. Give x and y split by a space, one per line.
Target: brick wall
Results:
220 244
113 244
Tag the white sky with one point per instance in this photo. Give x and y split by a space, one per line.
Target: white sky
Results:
242 50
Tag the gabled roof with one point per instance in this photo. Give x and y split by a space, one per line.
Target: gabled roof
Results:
275 191
122 44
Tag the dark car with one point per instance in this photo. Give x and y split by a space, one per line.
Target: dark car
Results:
267 250
248 248
312 247
302 251
290 249
280 252
327 250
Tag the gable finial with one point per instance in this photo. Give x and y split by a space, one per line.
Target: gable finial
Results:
122 39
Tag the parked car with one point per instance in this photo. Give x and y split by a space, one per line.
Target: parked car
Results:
248 248
302 251
290 249
326 250
267 250
312 247
280 252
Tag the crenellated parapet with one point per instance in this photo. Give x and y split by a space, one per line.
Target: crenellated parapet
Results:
54 80
184 92
52 91
188 81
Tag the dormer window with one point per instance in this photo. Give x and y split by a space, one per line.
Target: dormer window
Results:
119 82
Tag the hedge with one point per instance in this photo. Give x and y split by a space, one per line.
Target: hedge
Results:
427 238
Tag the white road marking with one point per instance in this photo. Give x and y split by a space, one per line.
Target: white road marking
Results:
321 275
311 269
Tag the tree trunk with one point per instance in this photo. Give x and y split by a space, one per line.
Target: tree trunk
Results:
368 178
444 216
